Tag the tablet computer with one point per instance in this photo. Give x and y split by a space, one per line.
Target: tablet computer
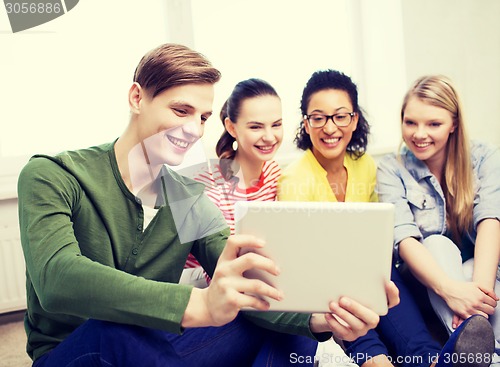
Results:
325 250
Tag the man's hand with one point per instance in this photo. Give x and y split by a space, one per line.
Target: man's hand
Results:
348 320
229 291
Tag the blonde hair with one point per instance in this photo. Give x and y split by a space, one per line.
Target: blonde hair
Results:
458 182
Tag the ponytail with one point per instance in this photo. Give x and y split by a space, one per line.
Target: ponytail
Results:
224 148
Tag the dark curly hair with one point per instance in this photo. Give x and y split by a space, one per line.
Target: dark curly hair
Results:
333 79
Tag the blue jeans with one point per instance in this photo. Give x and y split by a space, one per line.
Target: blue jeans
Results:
401 333
449 258
239 343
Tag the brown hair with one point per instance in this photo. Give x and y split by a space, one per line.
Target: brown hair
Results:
246 89
171 65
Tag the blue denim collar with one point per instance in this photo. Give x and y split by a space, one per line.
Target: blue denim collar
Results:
417 168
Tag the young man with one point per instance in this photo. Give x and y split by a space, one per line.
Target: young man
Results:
106 232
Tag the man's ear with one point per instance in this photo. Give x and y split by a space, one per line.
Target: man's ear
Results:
229 125
135 96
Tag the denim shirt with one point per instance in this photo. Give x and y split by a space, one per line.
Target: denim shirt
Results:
419 200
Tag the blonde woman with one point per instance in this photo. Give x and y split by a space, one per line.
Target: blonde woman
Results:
447 196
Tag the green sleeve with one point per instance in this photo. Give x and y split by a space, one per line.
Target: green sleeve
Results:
63 281
214 233
286 322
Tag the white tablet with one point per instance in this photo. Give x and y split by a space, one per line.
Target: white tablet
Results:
325 250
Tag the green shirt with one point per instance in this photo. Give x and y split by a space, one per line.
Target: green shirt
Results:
88 255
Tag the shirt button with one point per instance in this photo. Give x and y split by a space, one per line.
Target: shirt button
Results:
138 200
139 227
135 251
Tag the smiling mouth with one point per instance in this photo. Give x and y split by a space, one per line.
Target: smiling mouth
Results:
183 144
331 140
265 148
422 145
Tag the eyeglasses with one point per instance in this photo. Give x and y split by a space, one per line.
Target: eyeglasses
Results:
317 120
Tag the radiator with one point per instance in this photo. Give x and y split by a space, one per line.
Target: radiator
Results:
12 270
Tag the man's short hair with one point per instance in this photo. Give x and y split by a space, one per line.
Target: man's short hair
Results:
171 65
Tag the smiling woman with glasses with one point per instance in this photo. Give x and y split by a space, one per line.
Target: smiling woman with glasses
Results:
334 135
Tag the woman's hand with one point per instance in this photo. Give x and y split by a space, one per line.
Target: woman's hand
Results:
468 298
229 291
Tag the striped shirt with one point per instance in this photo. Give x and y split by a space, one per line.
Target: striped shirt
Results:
226 193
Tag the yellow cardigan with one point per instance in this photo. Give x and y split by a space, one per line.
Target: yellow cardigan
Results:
305 180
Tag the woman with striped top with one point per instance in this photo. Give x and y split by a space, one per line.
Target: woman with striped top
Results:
245 170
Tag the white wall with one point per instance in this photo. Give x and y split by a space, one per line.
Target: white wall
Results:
64 84
461 39
380 68
66 81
